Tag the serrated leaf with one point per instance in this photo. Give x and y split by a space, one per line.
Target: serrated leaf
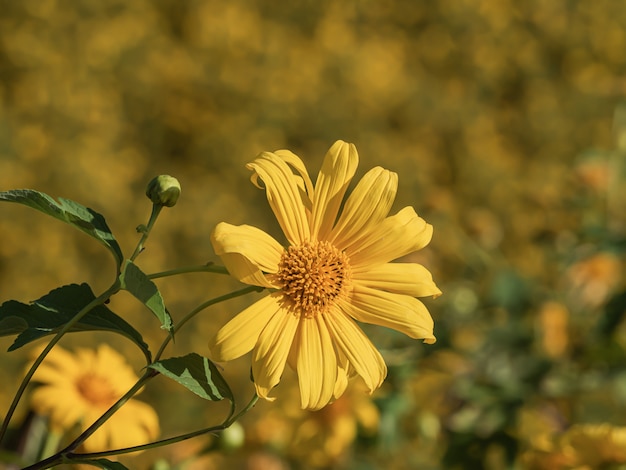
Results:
140 286
71 212
47 315
196 373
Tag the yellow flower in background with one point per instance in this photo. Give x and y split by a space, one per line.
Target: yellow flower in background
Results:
581 447
78 388
335 270
322 438
594 445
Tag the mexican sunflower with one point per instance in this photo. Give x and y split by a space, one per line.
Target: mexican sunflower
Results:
78 388
334 272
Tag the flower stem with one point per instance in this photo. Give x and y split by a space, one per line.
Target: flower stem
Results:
149 374
171 440
201 307
68 326
156 210
67 454
207 268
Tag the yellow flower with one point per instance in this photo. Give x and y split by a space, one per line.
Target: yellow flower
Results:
323 438
79 388
336 269
581 447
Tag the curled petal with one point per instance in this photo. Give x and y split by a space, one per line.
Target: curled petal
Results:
343 374
307 186
337 171
367 205
400 278
247 252
396 236
399 312
359 351
241 334
283 194
270 354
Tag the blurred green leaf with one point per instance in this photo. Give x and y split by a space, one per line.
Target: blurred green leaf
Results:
197 374
139 285
71 212
47 315
509 290
106 464
613 315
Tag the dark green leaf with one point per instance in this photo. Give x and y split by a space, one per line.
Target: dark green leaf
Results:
613 315
71 212
51 312
138 284
197 374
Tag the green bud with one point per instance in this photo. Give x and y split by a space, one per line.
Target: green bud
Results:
163 190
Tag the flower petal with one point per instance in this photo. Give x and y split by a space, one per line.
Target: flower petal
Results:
337 171
58 366
396 236
61 404
247 252
133 424
316 363
283 194
270 353
108 359
401 278
368 204
241 334
342 381
343 374
357 348
399 312
307 186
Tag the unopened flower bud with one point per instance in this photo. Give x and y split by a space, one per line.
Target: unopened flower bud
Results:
163 190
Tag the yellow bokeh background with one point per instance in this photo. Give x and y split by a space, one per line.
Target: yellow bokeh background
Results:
502 119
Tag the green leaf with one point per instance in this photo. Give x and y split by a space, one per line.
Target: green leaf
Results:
197 374
104 464
47 315
139 285
71 212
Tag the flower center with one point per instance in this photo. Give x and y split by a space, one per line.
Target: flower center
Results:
96 390
312 275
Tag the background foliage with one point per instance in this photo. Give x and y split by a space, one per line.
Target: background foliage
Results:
503 122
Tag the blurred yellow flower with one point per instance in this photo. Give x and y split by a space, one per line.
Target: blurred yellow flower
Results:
593 445
335 270
78 388
581 447
322 438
